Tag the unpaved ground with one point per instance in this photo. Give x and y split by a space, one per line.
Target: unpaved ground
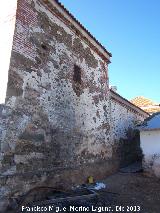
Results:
133 189
125 192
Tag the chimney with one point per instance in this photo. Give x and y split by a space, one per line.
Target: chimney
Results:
113 88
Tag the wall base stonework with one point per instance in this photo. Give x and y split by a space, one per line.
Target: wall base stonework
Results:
17 185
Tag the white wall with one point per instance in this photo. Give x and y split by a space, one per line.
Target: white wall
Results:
7 24
150 144
122 119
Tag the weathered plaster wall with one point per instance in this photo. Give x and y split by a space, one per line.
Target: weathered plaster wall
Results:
55 116
150 145
123 119
126 140
56 126
7 25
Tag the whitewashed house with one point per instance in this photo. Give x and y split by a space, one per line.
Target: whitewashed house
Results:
150 144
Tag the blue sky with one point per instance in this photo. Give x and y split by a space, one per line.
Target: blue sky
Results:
130 30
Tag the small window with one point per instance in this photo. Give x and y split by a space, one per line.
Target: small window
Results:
77 74
77 80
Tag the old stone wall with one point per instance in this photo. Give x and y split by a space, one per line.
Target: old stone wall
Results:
60 123
57 115
124 118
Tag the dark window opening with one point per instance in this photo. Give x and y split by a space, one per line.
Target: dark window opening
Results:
77 74
44 46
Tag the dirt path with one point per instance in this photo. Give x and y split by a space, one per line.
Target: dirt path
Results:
134 189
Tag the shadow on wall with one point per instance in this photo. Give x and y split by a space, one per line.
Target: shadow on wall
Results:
128 149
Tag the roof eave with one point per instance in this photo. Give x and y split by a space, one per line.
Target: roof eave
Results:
138 109
153 129
85 33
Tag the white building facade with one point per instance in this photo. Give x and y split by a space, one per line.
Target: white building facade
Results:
150 145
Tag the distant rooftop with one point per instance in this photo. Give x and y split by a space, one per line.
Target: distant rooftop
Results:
146 104
142 101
